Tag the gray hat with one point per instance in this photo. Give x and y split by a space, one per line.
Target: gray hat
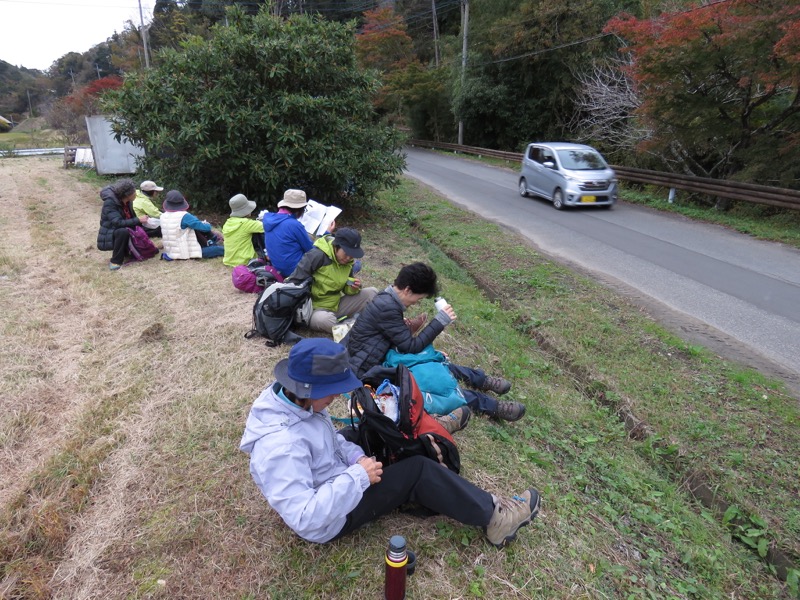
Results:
293 199
241 206
316 367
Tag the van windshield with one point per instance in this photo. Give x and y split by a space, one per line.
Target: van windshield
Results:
581 160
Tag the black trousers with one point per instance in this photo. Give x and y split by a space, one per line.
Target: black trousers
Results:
426 482
121 237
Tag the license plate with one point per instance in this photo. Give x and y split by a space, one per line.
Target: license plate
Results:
588 198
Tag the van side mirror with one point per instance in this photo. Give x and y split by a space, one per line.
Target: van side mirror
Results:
550 165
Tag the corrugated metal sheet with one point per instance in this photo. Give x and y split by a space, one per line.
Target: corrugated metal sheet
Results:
110 156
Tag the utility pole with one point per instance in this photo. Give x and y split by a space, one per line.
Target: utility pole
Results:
435 34
144 38
30 106
464 31
98 70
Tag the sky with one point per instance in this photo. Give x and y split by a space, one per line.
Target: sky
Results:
35 33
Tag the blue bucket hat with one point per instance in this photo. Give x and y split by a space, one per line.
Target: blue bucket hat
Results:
316 367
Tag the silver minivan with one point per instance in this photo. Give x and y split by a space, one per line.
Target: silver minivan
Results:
568 175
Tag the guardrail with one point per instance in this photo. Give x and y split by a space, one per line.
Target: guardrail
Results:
746 192
32 152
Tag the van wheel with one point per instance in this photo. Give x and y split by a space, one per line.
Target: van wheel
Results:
523 187
558 200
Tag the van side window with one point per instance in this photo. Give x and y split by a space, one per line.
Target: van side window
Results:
534 153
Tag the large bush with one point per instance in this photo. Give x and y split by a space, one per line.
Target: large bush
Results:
262 105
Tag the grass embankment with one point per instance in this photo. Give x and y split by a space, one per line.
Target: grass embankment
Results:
35 138
143 492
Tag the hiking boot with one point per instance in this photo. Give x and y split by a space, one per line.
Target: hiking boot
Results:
456 420
498 385
509 515
415 324
114 266
508 410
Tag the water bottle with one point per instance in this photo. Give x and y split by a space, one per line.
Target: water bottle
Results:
440 303
396 563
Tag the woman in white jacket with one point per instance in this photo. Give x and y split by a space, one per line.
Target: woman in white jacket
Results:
324 486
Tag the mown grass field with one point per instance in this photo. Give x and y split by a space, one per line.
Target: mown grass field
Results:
666 472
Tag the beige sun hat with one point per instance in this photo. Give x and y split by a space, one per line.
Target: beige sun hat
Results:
293 199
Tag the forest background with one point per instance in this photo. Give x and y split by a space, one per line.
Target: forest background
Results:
709 89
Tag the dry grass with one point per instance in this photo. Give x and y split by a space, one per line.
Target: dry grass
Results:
124 397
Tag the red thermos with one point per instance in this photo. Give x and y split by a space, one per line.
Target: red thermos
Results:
396 563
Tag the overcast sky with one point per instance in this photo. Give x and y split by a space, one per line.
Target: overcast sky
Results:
35 33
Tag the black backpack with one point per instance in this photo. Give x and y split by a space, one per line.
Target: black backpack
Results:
415 433
277 308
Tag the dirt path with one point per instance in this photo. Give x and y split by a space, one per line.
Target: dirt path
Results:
35 195
82 355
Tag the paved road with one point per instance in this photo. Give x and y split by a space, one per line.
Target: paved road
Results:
739 296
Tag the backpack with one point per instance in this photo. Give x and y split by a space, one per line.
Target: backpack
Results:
440 390
415 432
277 308
139 245
255 276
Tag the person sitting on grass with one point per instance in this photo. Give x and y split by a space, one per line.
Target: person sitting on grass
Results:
381 327
335 294
116 217
184 235
239 231
324 487
285 238
144 204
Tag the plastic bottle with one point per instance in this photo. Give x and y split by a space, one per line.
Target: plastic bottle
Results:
396 563
440 303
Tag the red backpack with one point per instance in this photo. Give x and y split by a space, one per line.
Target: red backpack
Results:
416 432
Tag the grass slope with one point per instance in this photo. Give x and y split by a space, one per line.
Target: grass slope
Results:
122 416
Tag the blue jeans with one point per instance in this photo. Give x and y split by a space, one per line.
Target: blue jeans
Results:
213 251
477 401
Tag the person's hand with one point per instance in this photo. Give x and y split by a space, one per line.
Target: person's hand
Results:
450 312
219 235
332 226
143 219
373 468
356 285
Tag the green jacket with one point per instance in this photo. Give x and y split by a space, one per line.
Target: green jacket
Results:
238 233
330 277
143 205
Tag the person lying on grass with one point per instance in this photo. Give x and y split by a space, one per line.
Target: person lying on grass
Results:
381 327
324 487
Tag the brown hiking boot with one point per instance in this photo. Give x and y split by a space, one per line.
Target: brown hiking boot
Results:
508 410
498 385
415 324
456 420
510 514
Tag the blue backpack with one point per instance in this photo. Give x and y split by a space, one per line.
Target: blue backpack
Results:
440 390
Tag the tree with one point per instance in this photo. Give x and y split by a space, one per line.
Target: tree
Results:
68 114
262 105
720 88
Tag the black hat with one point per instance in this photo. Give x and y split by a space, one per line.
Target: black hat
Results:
174 202
349 240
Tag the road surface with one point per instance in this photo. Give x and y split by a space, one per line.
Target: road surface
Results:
737 295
